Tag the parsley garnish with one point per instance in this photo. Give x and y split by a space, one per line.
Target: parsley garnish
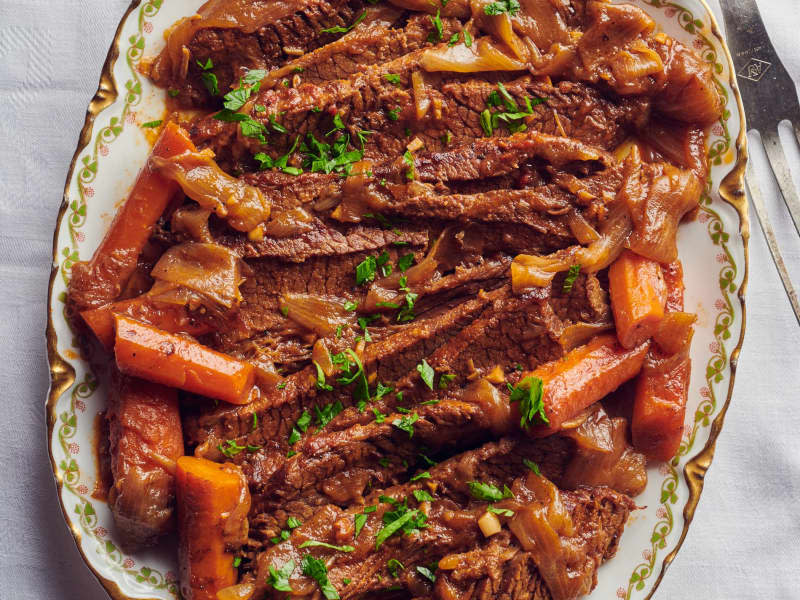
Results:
340 29
379 416
173 93
321 157
500 511
502 6
489 492
569 280
316 570
436 36
407 423
453 40
237 561
486 122
382 390
281 538
365 270
392 78
422 496
411 172
302 425
153 124
400 519
512 115
344 363
532 466
528 393
326 414
350 305
404 262
407 313
445 380
394 566
426 372
360 520
209 79
426 573
321 385
282 385
293 522
393 114
315 543
423 475
230 449
279 163
279 578
467 39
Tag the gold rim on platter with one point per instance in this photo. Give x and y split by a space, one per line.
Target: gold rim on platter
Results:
62 374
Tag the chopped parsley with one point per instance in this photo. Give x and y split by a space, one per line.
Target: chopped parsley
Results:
426 573
394 566
302 425
365 270
486 122
315 543
489 492
382 390
436 35
505 512
153 124
279 578
423 475
532 466
411 172
293 522
350 305
322 157
230 449
426 373
255 422
392 78
406 423
528 393
502 6
321 385
422 496
569 280
267 162
282 385
316 570
508 111
393 114
353 372
401 519
248 85
404 262
340 29
173 93
453 40
445 380
209 79
379 416
467 39
284 535
237 561
326 414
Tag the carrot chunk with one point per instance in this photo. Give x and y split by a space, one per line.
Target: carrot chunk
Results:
153 354
638 296
101 279
659 406
581 378
662 389
169 317
145 436
213 502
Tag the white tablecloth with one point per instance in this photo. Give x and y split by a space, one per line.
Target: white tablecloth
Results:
745 541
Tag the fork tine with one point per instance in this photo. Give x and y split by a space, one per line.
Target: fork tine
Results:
772 242
777 159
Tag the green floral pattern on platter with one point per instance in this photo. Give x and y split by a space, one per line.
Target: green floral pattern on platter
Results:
666 522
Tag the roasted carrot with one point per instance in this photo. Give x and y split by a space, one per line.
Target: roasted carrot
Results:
638 296
153 354
581 378
659 407
145 441
213 502
101 279
169 317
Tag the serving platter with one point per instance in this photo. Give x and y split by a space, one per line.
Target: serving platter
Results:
113 146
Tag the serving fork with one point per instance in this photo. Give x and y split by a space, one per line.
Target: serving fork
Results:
769 97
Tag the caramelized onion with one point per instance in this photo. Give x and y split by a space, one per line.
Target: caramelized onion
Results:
495 408
193 221
422 100
208 269
579 334
288 223
604 457
320 314
242 205
580 227
356 196
483 55
240 591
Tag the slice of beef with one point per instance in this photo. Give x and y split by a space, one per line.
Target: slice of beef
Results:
388 35
448 528
269 36
278 410
368 102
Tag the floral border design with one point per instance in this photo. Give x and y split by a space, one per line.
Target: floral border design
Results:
76 216
719 359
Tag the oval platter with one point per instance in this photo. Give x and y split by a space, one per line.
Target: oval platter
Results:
112 147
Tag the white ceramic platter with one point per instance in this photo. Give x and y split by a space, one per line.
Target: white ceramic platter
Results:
113 147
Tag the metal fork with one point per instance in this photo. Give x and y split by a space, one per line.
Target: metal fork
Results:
770 97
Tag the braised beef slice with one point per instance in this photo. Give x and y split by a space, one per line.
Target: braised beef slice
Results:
451 527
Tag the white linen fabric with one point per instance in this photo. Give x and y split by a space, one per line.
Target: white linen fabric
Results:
745 540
